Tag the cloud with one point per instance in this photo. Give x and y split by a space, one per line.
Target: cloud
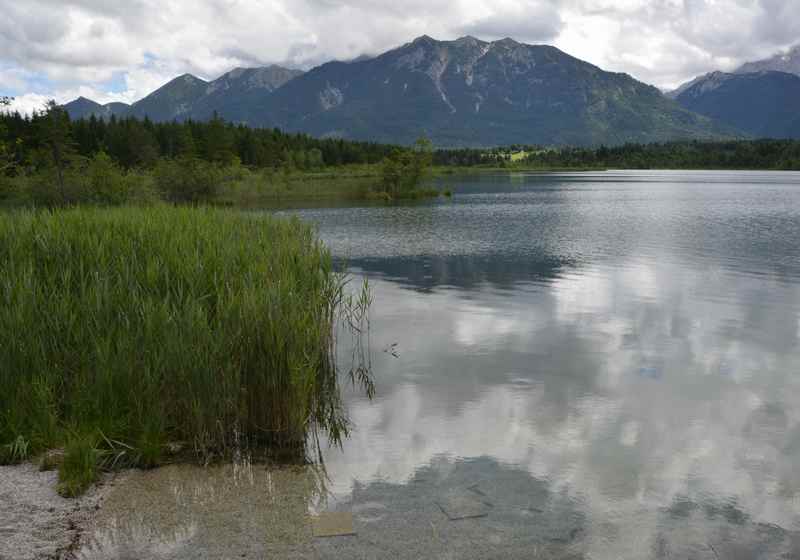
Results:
596 427
53 47
28 103
533 22
666 42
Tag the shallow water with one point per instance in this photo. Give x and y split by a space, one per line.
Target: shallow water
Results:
608 362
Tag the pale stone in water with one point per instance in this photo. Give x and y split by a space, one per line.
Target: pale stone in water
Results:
333 524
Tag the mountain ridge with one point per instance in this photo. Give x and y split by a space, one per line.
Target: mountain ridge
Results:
761 104
788 62
187 96
465 92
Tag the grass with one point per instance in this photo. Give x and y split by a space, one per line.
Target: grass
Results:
262 187
126 329
265 187
98 181
15 451
80 466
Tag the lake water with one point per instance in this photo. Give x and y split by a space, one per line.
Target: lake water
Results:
597 365
628 340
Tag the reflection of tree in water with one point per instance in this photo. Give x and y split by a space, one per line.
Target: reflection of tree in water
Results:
717 529
425 273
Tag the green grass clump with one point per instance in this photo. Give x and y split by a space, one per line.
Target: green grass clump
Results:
79 468
15 452
146 326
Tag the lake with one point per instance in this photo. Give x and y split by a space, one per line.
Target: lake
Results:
581 365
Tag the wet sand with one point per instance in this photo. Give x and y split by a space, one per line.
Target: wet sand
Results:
35 522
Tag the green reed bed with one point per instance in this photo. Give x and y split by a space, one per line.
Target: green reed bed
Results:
123 330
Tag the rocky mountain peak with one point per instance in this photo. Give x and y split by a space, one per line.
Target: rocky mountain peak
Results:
462 92
468 40
189 79
423 39
507 42
788 61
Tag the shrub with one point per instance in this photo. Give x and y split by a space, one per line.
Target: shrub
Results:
105 182
187 179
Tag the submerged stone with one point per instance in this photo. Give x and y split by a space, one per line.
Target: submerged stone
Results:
459 504
333 524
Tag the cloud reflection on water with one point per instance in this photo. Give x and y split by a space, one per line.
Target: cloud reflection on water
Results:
630 387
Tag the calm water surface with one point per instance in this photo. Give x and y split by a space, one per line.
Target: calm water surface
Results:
627 340
605 365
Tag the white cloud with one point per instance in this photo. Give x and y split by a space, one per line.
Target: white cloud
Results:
28 103
52 47
535 21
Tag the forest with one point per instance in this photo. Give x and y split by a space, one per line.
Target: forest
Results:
46 159
741 154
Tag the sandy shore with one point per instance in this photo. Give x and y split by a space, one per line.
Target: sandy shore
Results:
37 523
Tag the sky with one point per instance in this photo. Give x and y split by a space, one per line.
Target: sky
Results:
115 50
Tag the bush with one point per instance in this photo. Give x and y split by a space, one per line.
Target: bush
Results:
8 190
105 182
403 171
187 179
97 180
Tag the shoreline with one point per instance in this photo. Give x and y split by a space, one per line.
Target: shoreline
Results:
36 522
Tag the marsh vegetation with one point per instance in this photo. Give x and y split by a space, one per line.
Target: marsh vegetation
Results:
125 330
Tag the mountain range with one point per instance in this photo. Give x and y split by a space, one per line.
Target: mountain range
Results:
761 99
188 96
788 62
469 92
764 104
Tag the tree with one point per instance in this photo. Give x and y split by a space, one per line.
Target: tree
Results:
423 159
6 150
404 170
55 137
218 141
314 159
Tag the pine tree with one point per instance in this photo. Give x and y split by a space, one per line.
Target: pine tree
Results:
6 152
54 134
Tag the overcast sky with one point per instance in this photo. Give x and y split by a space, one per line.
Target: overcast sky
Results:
115 50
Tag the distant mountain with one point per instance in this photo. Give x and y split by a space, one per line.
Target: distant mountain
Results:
474 93
83 108
465 92
172 101
240 87
760 104
783 62
189 97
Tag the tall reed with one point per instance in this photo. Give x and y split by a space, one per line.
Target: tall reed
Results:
149 325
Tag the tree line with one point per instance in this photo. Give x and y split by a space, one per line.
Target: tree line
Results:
131 143
46 158
49 159
741 154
